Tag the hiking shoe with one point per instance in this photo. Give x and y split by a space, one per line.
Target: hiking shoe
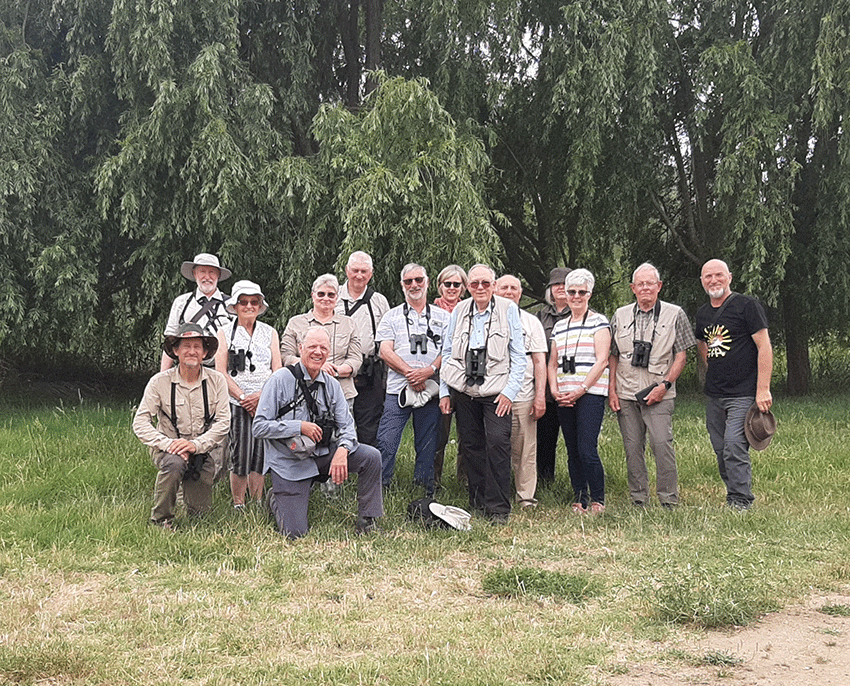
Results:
367 525
579 509
597 508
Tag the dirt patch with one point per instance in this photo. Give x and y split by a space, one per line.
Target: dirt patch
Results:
800 646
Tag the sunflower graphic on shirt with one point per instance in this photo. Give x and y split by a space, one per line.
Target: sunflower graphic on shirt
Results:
719 340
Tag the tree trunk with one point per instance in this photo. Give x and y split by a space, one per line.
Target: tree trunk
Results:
373 40
796 346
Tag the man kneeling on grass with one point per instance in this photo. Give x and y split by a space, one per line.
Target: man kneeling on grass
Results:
191 407
311 437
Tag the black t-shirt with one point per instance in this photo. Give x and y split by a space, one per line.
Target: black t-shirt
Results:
732 353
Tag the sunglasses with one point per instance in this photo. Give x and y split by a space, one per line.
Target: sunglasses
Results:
326 294
573 293
253 302
452 284
418 279
480 284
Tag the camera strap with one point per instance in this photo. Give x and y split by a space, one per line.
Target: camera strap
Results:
656 310
209 307
208 419
717 314
305 392
365 300
428 333
578 338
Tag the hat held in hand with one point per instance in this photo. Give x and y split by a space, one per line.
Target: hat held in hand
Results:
759 427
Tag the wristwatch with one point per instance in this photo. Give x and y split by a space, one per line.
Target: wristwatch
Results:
667 384
242 397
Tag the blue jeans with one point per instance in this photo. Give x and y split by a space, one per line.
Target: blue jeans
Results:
390 430
724 419
580 425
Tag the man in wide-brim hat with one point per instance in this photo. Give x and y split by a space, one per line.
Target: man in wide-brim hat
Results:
190 404
204 306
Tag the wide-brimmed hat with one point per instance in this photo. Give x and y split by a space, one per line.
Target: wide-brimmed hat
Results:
190 330
455 517
245 287
558 275
759 427
204 259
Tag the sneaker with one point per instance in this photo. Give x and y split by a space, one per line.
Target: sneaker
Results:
597 508
239 507
498 519
579 509
367 525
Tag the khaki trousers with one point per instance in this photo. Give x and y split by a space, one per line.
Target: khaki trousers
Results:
197 495
636 421
524 452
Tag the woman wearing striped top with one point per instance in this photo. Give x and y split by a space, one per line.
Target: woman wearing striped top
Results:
578 380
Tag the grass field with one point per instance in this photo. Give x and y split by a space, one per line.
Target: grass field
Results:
91 594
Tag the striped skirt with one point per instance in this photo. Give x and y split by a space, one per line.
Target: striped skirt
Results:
246 452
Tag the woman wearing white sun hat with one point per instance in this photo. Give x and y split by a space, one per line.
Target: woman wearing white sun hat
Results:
248 353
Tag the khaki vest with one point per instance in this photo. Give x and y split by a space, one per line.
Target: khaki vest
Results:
453 371
630 379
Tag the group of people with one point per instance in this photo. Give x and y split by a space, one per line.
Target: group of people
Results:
333 394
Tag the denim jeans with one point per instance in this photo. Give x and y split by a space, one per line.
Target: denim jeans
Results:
390 430
724 419
581 425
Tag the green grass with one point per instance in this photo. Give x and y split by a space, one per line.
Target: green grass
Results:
91 594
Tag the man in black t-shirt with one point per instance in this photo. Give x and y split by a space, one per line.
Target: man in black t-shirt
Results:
732 339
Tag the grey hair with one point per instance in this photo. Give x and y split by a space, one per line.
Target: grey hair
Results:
484 266
323 279
644 266
452 269
357 257
580 277
410 266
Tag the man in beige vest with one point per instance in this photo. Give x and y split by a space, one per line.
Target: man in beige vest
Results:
649 347
483 364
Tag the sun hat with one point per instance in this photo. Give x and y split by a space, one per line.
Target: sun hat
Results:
557 275
455 517
245 287
190 330
759 427
204 259
409 398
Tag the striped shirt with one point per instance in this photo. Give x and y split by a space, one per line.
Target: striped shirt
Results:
576 339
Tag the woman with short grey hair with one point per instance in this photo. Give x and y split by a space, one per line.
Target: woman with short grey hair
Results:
578 380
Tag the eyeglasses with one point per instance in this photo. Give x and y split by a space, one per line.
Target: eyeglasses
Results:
418 279
480 284
326 294
645 284
253 302
452 284
573 293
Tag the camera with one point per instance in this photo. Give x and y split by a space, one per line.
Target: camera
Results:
236 361
640 353
568 364
418 341
194 466
476 366
326 424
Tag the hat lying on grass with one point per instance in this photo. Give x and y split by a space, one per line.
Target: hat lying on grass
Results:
433 514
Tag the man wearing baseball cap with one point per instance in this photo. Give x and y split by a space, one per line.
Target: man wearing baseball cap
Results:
192 411
205 305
